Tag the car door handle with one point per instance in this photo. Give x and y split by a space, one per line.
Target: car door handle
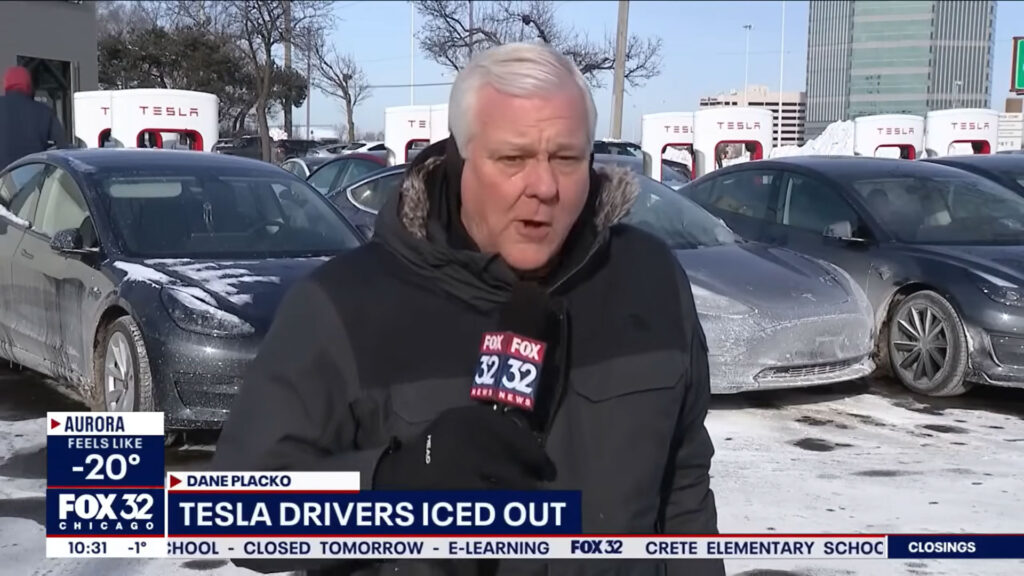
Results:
28 255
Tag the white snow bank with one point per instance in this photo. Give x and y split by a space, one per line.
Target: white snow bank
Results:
836 140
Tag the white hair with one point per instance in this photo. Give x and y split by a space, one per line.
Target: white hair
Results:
519 69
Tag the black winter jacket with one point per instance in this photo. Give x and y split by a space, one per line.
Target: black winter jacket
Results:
378 341
27 127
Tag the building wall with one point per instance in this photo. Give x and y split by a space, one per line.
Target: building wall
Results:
890 57
964 49
55 30
896 56
793 115
829 32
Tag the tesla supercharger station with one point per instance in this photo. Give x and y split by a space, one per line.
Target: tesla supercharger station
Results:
92 119
147 118
961 131
889 136
727 135
405 128
438 122
660 131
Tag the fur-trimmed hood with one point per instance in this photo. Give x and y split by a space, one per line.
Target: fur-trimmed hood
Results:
403 226
618 191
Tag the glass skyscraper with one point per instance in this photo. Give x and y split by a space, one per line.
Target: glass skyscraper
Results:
896 57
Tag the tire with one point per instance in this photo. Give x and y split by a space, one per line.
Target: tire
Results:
939 368
121 346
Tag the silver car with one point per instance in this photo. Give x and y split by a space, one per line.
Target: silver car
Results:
773 318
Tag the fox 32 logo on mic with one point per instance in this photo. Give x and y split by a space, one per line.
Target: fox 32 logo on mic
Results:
508 369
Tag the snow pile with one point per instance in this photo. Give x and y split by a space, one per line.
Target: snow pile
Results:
278 134
836 140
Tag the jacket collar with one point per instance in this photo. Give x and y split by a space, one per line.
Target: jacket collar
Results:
483 280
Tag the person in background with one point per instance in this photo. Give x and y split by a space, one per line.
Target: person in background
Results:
368 364
26 126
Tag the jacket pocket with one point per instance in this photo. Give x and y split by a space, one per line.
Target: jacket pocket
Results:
416 404
629 375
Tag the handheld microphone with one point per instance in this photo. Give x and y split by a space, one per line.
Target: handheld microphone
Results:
511 359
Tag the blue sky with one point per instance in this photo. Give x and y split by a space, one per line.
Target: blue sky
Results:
702 54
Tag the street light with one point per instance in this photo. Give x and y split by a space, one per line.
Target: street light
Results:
746 63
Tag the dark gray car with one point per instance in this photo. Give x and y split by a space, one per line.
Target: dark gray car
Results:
939 252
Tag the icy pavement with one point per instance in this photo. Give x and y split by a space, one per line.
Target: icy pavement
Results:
852 458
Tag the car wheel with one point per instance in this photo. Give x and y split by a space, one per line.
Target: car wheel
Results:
928 346
123 382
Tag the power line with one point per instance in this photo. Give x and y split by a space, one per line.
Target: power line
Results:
410 85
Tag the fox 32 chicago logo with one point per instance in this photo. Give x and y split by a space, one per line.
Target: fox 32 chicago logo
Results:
508 369
105 512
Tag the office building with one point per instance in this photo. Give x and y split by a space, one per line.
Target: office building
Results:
789 122
896 57
56 41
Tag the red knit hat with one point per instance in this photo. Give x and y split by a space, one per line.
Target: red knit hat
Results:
17 79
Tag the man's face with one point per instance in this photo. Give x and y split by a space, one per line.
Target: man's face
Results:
526 175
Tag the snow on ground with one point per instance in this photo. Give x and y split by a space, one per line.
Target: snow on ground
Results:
861 457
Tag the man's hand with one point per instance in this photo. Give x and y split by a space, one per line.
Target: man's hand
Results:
468 448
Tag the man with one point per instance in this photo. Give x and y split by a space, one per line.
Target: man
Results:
26 126
370 359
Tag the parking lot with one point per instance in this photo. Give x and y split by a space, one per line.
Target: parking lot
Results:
860 457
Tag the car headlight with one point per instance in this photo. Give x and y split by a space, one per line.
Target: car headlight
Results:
712 304
195 315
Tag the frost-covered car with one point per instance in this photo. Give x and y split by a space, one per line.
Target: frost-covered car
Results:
773 318
147 280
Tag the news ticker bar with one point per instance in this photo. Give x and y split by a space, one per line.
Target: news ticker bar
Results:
808 547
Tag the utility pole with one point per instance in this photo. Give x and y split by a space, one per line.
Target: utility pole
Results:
309 85
412 53
288 66
746 64
782 63
620 68
472 32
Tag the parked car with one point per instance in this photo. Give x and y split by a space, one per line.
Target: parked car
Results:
360 146
361 200
303 167
245 146
327 150
339 171
939 252
671 175
773 318
1004 169
149 280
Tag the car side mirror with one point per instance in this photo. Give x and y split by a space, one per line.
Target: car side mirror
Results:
68 241
842 230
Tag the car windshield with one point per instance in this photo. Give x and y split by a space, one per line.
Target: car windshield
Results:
678 221
963 209
189 212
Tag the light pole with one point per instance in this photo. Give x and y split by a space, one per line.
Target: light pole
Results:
412 53
782 62
746 63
